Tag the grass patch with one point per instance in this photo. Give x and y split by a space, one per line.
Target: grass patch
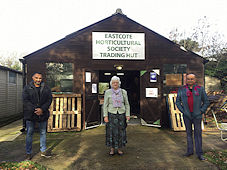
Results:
218 158
21 165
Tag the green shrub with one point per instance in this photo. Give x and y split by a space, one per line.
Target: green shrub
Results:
218 158
21 165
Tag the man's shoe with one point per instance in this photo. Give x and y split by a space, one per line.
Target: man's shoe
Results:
28 157
46 154
201 158
22 130
188 154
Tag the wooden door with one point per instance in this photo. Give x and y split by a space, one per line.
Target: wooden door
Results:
150 107
92 108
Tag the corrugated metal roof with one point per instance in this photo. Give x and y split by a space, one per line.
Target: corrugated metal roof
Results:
9 69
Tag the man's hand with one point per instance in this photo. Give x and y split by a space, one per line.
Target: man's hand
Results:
106 119
38 111
128 118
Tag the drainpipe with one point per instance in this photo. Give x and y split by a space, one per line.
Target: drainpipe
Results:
84 98
24 72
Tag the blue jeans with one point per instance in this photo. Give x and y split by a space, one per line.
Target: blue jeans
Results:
197 135
30 130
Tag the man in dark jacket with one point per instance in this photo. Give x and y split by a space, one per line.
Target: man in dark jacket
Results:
37 98
192 101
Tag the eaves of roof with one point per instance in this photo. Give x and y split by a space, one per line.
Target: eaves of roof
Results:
9 69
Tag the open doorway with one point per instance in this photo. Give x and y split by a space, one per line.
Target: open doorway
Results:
130 81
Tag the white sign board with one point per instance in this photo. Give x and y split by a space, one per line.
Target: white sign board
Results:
151 92
88 77
94 88
111 45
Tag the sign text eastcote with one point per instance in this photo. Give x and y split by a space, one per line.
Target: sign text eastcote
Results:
109 45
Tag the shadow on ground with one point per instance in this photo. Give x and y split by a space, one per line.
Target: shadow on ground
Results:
147 148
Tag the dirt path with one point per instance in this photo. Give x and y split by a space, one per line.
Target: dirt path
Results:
147 148
11 131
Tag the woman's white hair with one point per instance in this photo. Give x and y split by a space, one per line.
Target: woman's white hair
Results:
115 78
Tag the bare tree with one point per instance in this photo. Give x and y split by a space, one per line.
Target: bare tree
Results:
201 34
187 43
11 60
210 45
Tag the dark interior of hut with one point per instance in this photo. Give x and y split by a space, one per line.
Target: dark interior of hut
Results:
130 81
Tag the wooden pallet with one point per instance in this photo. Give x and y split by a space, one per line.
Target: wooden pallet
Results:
65 113
176 116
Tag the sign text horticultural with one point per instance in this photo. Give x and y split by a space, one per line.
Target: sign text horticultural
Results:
109 45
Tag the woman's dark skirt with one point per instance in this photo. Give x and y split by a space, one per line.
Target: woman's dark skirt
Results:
116 131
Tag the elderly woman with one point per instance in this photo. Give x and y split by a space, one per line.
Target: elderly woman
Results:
116 111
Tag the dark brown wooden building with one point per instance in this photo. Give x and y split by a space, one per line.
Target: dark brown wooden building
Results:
150 66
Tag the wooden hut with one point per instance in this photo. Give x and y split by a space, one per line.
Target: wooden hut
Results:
150 67
10 95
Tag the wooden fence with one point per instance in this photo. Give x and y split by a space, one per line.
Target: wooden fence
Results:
65 113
